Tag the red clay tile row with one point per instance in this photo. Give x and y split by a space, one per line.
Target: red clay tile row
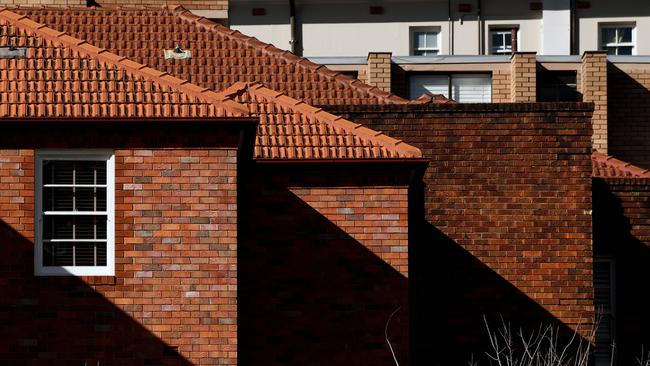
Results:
605 166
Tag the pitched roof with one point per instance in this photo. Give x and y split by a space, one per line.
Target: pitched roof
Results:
604 166
220 56
63 76
291 129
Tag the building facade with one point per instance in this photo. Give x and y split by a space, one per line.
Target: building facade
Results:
316 227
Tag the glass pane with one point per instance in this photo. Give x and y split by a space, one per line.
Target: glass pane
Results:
432 40
57 172
419 39
90 172
58 199
74 172
625 50
77 254
609 35
74 227
497 40
508 41
57 254
74 199
625 34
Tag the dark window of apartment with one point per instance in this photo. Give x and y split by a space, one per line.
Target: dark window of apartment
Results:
617 39
352 74
503 41
557 86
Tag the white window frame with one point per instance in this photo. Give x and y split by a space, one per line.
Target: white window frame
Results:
427 31
503 30
75 154
603 47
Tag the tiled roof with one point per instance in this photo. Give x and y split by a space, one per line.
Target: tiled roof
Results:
220 56
291 129
608 167
63 76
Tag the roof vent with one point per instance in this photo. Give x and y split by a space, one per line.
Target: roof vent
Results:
13 52
177 53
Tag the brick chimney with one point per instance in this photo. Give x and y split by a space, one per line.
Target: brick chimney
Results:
379 70
593 86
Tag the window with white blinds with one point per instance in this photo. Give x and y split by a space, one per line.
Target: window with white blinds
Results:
74 205
606 310
463 88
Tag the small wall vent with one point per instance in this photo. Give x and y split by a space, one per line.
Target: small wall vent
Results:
13 52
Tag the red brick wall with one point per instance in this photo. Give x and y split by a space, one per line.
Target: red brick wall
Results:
323 262
176 264
507 197
622 233
628 93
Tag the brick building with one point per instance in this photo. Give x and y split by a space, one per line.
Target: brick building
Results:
314 230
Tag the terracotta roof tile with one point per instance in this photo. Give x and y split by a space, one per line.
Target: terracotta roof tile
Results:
604 166
64 76
291 129
220 56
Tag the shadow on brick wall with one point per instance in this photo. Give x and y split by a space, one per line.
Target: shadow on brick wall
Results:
628 116
622 233
64 321
309 293
453 294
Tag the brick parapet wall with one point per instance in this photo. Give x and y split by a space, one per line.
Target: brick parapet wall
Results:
593 86
628 93
523 77
379 70
508 188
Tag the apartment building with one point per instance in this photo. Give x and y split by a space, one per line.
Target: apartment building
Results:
463 50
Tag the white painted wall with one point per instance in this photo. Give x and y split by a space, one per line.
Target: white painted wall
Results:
556 27
345 27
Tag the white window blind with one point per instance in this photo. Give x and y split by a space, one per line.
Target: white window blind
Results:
75 211
471 88
464 88
434 84
605 308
